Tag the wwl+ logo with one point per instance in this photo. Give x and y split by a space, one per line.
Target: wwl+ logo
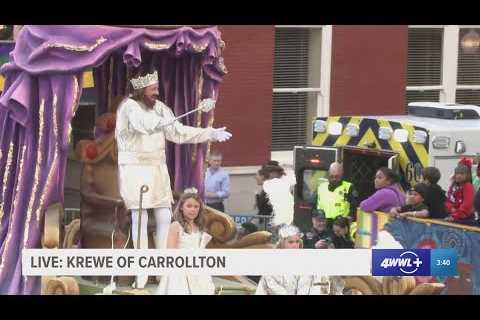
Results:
395 262
407 265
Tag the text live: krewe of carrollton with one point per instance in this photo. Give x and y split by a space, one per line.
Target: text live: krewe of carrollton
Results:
213 160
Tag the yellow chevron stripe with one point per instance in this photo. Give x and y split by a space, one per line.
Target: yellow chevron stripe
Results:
87 80
321 137
420 149
344 138
368 137
396 146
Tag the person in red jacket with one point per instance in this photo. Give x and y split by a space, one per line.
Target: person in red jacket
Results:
460 195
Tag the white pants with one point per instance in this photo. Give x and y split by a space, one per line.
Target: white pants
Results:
163 217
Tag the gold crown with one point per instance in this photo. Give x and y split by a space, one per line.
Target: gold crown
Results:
145 81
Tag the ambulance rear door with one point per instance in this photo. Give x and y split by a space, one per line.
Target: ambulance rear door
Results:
311 165
361 164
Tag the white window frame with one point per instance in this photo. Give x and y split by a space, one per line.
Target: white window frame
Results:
441 87
459 86
323 92
449 86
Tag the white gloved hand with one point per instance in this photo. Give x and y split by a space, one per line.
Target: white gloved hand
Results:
220 134
207 104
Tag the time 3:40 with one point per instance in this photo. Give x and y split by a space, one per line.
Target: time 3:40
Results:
442 262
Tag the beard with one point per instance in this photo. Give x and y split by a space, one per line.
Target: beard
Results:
150 101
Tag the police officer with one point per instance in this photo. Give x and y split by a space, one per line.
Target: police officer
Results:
319 237
336 197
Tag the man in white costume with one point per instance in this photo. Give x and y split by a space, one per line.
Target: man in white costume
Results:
143 123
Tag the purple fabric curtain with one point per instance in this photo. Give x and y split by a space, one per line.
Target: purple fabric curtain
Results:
42 90
181 90
36 114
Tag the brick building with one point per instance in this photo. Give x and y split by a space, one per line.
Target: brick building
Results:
281 77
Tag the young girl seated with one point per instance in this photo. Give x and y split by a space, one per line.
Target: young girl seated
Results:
187 232
435 197
415 206
460 195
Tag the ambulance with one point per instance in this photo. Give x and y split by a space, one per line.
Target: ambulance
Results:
431 134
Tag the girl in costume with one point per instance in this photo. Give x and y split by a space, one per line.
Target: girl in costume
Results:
460 194
187 232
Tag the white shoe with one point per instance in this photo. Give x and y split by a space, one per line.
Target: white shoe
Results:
142 281
110 288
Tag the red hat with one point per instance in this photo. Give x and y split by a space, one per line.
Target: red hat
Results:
467 162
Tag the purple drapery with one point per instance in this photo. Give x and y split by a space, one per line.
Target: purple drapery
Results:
42 89
34 141
181 88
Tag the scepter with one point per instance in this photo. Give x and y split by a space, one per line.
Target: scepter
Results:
205 105
143 190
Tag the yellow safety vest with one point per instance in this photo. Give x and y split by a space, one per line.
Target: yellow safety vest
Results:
333 202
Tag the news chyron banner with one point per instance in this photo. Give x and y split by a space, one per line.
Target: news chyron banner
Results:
89 262
340 262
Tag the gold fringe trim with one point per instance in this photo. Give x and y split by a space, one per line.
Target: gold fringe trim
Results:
221 64
6 176
81 48
156 45
15 203
55 156
74 108
200 47
37 168
221 44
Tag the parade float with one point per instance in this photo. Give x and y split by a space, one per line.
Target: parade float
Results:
43 82
379 230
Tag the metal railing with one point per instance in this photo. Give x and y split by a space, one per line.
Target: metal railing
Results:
265 223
